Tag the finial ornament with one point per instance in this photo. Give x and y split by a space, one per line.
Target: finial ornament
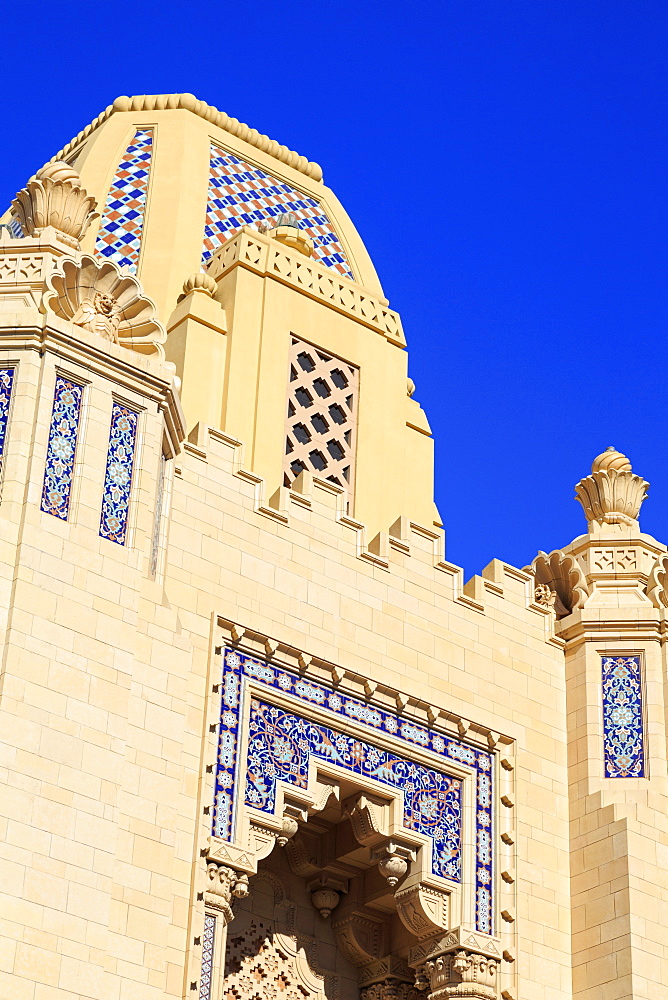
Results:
101 299
55 197
612 494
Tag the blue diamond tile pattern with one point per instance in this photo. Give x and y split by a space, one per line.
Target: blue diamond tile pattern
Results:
119 238
6 386
623 740
61 448
118 476
282 741
243 195
208 939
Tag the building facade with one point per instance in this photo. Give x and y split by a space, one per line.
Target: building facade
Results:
259 738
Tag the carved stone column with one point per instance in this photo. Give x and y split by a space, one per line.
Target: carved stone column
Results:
461 973
223 883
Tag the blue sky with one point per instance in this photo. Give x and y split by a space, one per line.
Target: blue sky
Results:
505 164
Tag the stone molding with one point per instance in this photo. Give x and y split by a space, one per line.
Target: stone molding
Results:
256 252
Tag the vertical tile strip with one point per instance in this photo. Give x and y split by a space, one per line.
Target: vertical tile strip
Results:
61 448
6 386
208 942
623 738
118 477
122 224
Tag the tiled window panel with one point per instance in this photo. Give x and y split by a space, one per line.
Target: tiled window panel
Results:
433 805
61 449
623 739
118 476
6 386
119 238
243 195
321 419
208 942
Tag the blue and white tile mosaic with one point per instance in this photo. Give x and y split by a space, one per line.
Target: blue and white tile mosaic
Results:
61 448
118 476
242 195
208 940
623 740
6 386
119 237
280 746
281 742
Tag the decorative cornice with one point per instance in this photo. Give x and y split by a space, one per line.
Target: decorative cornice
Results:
265 256
188 102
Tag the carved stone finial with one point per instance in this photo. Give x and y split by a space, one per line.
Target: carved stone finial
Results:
612 494
55 197
102 300
285 229
200 282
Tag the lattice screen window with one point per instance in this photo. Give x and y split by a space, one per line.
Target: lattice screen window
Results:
322 416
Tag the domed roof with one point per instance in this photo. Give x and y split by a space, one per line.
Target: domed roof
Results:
174 178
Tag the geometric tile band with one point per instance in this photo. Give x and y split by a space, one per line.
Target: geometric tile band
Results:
61 448
118 477
623 741
208 941
243 195
280 742
6 385
119 238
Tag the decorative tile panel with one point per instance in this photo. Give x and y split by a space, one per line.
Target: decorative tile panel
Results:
61 448
281 744
321 419
243 195
119 238
118 477
281 741
208 941
623 740
6 386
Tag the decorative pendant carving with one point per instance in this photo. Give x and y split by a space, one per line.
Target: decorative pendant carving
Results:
102 300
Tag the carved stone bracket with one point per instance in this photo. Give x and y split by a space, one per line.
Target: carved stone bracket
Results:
361 936
369 818
423 910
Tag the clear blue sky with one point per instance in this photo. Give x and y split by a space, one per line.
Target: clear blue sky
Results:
505 163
